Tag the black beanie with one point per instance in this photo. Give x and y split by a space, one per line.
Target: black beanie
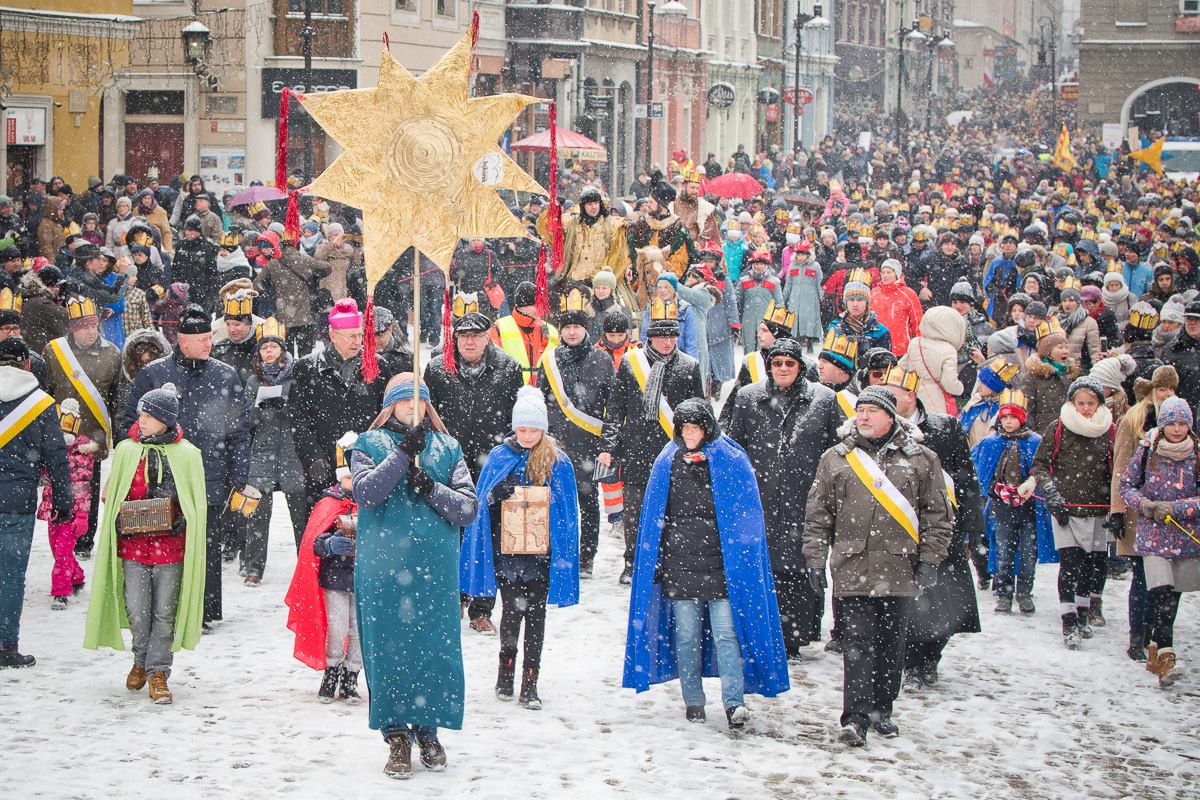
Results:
615 321
194 320
14 352
526 295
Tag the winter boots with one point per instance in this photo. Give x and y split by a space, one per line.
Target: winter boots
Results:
1025 604
853 734
1161 662
695 714
399 763
1072 636
1137 646
329 684
58 603
886 728
737 717
483 625
1003 605
433 755
160 695
626 576
11 659
529 697
1096 613
136 679
349 686
505 677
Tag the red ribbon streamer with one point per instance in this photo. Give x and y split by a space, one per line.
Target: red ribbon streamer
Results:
542 297
448 359
281 142
474 27
387 42
370 359
291 220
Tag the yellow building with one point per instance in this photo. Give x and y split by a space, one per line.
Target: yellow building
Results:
56 59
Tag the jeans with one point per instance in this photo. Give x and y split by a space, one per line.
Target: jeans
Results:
872 635
151 599
422 733
1013 541
258 528
341 631
16 537
689 651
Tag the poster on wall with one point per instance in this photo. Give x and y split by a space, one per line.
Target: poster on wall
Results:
223 168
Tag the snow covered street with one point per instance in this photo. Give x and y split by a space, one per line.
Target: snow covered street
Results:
1016 715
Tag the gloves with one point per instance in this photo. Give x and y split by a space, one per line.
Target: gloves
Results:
926 576
504 489
340 545
1058 510
319 470
816 579
419 481
1156 510
1025 490
63 515
1115 524
413 442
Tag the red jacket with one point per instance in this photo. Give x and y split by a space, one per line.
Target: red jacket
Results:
898 309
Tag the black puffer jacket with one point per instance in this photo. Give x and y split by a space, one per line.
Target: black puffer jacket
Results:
476 408
195 263
1184 355
629 434
587 377
785 433
690 566
239 355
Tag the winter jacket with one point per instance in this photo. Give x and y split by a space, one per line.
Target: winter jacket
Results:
587 379
1163 479
212 227
933 355
39 445
688 340
239 355
1138 278
634 439
50 235
291 280
151 341
195 263
873 333
690 565
81 461
700 300
869 552
1083 340
942 272
102 364
898 309
213 413
157 217
1184 355
89 284
802 295
723 321
337 258
328 398
1045 391
42 317
756 290
784 433
1137 422
185 205
335 572
1079 475
273 458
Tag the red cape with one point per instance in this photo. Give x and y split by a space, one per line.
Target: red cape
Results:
304 599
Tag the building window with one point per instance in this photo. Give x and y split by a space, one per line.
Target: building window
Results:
446 8
332 8
1189 6
406 5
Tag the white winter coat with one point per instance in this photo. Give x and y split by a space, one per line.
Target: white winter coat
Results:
933 355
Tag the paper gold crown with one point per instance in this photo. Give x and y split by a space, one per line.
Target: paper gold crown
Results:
898 376
271 327
68 417
239 304
465 303
1014 397
840 345
80 307
664 309
1143 321
344 444
733 225
231 240
139 236
779 316
691 174
10 301
795 227
1050 326
1004 370
257 208
858 275
574 300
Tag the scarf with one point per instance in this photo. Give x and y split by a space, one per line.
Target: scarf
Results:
235 259
1115 298
1072 320
280 371
654 383
1090 427
1175 451
855 326
472 371
1059 369
573 354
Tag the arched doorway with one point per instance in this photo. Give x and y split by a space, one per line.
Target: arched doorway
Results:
1169 104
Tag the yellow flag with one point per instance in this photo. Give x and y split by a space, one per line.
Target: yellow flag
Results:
1062 151
1151 156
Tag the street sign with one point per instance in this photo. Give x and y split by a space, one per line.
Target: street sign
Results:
656 110
806 95
1069 92
598 102
721 95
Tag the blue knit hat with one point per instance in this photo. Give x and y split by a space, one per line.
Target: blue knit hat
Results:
530 409
1173 410
162 404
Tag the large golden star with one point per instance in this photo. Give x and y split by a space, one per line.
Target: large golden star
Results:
420 160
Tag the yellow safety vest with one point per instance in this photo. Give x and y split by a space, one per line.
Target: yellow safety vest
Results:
513 343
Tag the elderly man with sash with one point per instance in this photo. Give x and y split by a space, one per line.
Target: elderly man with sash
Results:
639 417
950 606
580 379
30 441
85 366
878 511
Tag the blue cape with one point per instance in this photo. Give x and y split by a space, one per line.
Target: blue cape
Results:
650 640
986 456
995 264
969 416
476 568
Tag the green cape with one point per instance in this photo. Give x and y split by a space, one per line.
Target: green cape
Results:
106 613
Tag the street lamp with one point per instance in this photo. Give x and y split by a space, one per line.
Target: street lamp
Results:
937 45
196 39
914 37
816 22
671 8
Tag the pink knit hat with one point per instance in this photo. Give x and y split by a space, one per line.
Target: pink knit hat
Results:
345 315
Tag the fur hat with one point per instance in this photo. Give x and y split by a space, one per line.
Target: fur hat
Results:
1164 377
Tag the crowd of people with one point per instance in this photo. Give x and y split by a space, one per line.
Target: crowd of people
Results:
895 387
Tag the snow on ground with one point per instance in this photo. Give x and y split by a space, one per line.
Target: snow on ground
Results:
1016 715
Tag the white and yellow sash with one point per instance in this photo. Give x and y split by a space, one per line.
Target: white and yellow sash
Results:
82 383
949 481
641 371
882 488
26 412
755 366
569 409
846 400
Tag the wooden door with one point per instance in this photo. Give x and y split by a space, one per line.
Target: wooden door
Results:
154 144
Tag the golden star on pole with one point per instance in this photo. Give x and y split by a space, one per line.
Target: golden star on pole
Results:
420 160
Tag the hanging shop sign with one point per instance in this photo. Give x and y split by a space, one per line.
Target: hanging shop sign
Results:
274 80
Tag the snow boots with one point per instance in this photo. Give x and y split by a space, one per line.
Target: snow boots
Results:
1096 613
329 684
136 679
695 714
399 763
159 693
58 603
505 677
737 717
886 728
1003 605
1137 645
529 697
11 659
433 755
349 686
853 734
1161 662
1025 604
1072 636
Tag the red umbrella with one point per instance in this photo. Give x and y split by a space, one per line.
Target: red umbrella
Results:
733 185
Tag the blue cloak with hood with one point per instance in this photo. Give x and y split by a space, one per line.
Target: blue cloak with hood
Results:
476 568
986 456
650 641
987 408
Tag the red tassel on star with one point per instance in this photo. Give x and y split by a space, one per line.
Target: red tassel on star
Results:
281 142
448 357
291 220
542 298
474 28
370 358
554 222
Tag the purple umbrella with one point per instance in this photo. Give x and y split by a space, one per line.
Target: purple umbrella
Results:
256 194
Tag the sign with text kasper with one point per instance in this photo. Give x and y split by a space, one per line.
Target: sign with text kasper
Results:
323 80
